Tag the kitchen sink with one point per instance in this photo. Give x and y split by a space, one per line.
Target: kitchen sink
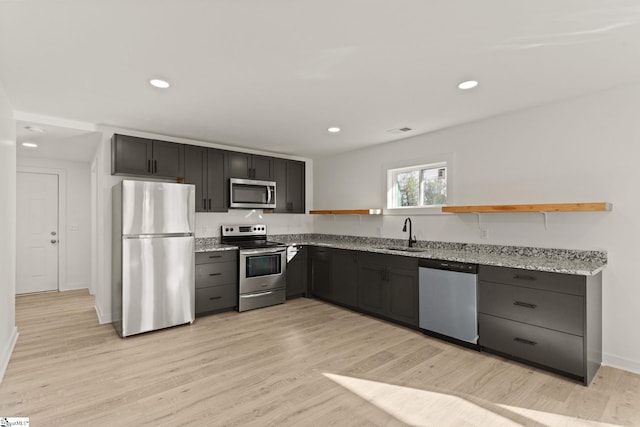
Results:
402 248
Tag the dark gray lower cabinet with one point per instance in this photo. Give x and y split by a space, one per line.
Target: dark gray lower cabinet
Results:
297 274
549 319
388 286
216 281
320 272
344 277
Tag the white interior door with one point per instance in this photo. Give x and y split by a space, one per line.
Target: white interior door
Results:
37 232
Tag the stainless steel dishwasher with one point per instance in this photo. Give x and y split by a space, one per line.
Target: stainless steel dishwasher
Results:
449 299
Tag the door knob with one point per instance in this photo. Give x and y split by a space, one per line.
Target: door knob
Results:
53 233
53 240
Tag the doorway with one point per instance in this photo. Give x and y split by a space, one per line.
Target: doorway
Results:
37 233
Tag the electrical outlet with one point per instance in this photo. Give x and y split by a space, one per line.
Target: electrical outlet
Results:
75 227
484 233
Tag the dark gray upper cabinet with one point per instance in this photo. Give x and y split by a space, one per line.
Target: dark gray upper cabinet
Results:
249 166
146 157
388 286
289 176
204 167
344 274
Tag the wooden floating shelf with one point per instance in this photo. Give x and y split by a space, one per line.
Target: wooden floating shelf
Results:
548 207
347 212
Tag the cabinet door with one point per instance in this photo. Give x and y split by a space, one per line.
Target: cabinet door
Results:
195 172
280 177
262 167
344 270
295 187
321 285
216 189
371 285
131 155
238 165
168 159
403 295
297 274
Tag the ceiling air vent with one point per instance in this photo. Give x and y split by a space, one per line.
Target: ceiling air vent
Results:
400 130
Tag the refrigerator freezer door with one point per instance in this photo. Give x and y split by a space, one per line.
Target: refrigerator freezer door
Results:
158 283
157 208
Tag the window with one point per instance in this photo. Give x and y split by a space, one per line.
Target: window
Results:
417 186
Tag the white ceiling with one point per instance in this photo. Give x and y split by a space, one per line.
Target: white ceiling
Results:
56 142
274 75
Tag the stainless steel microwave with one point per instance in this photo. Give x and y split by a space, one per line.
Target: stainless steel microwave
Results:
252 194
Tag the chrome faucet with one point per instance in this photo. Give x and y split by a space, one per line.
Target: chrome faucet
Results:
411 240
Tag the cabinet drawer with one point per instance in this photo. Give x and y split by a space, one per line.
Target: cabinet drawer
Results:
552 310
566 283
216 256
219 273
216 298
549 348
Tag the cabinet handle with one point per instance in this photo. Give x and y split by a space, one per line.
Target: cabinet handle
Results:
149 166
155 166
215 274
209 204
215 256
214 298
204 203
524 277
523 341
524 304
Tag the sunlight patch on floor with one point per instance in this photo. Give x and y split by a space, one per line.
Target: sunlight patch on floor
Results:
427 408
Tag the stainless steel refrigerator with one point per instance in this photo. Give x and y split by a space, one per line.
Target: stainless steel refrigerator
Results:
153 256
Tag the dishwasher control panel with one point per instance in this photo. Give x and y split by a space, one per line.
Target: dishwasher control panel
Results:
461 267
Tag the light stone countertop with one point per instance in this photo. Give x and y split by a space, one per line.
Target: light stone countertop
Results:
567 261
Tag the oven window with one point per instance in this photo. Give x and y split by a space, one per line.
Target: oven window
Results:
263 265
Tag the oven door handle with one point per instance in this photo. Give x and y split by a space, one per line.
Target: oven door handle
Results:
262 251
256 295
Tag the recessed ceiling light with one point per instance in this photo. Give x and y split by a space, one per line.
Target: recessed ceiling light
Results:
34 129
334 129
469 84
162 84
30 144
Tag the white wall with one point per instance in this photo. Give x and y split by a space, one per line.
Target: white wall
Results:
8 330
581 150
76 209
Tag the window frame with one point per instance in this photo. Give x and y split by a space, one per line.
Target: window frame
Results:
432 162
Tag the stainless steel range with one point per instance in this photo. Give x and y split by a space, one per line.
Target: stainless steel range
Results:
263 266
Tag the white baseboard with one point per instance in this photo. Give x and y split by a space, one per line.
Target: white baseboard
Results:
74 286
5 355
103 319
621 363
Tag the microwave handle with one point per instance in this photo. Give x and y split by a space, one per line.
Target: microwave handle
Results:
268 194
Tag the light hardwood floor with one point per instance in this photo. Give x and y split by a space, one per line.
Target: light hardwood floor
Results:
304 363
